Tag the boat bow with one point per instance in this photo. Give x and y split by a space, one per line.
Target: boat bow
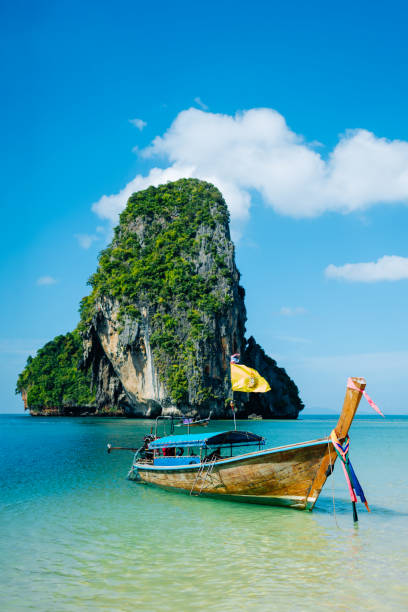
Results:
350 405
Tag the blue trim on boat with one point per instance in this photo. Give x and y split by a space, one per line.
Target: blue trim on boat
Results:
184 440
268 451
176 461
215 438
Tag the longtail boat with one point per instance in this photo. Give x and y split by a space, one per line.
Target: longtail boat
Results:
208 464
190 422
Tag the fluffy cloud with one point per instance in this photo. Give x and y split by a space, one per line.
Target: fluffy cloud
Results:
289 311
46 280
387 268
200 103
256 151
20 346
86 240
138 123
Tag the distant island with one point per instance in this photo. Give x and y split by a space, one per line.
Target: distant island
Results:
165 313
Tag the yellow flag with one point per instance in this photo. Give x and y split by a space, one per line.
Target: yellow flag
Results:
247 380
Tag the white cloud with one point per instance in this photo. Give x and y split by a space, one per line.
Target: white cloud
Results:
200 103
46 280
86 240
138 123
20 346
256 151
387 268
289 311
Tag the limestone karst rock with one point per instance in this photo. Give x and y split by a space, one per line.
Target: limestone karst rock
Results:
166 311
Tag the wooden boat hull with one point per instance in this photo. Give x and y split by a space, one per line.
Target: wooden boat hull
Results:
292 475
283 476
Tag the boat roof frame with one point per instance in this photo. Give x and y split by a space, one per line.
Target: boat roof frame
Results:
172 418
216 438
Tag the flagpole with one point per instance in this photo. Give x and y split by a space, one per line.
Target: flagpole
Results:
245 380
232 404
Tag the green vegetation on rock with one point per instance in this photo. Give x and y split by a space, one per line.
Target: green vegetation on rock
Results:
153 265
52 377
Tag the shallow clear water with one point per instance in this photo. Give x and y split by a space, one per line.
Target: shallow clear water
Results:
75 534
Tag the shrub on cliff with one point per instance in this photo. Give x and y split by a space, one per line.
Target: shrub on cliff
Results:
52 377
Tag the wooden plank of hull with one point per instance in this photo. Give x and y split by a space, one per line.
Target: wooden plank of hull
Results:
275 478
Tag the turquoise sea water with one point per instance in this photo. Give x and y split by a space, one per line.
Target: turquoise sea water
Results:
76 535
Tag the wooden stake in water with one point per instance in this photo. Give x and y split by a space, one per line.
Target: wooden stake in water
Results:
355 515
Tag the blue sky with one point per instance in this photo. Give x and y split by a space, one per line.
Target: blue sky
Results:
331 79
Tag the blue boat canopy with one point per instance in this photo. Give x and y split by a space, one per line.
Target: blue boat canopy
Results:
217 438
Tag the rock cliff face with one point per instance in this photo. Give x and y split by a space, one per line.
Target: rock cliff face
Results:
166 312
282 401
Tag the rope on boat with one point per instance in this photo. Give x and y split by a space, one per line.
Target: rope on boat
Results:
342 452
351 385
133 473
333 485
353 484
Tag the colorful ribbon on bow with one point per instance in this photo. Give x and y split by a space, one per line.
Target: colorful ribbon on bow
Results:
354 487
351 385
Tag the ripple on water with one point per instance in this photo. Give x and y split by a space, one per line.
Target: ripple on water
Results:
77 535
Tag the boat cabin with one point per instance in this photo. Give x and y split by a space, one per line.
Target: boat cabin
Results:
207 447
